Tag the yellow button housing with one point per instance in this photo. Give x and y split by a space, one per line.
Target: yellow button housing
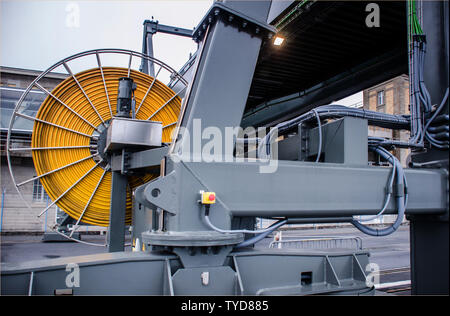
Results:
208 197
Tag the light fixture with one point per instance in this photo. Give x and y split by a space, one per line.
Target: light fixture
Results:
278 41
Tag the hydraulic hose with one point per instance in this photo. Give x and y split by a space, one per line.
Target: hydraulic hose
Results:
335 111
244 231
319 126
387 199
401 199
261 236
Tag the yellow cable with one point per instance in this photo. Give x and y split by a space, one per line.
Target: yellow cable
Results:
46 135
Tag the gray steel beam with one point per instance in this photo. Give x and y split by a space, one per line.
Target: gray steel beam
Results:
144 160
294 190
226 63
116 229
147 66
151 28
154 27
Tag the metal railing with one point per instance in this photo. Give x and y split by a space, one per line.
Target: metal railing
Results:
318 242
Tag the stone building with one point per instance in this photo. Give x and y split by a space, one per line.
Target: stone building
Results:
15 215
391 97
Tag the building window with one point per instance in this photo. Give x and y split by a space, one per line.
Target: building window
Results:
39 194
380 98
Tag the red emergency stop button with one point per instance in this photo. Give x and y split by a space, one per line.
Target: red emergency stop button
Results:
208 197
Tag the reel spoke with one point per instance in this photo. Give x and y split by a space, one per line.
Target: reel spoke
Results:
169 125
70 188
170 100
84 92
148 90
129 65
52 124
69 108
89 201
58 169
50 148
104 83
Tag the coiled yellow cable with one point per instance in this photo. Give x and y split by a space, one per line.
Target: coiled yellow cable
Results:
66 118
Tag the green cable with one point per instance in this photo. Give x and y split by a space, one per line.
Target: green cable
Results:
287 16
417 29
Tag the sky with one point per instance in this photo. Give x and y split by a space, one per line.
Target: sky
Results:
356 98
36 34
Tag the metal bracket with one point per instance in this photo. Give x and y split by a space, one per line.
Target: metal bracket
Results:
154 27
303 132
234 18
162 193
125 163
148 160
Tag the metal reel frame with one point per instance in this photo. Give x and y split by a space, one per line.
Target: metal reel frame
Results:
175 78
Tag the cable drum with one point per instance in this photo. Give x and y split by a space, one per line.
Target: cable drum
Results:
94 113
74 116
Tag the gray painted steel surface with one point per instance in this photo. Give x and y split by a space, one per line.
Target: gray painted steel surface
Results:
140 273
296 189
116 229
124 132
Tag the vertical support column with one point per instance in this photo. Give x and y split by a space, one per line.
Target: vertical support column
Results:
217 97
149 43
429 256
116 233
429 235
147 48
219 91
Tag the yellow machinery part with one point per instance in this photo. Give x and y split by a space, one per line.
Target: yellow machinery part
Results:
90 197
